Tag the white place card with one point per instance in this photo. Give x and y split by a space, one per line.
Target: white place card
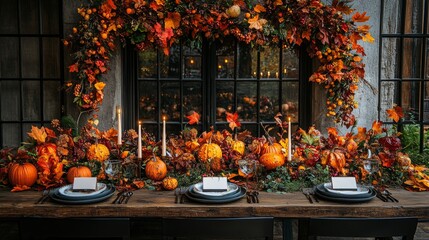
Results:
85 184
215 184
344 183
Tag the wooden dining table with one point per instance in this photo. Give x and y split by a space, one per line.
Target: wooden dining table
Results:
154 204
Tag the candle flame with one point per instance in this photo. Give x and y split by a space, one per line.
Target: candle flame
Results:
288 119
119 110
140 122
164 118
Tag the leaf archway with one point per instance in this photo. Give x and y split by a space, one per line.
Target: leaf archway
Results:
329 32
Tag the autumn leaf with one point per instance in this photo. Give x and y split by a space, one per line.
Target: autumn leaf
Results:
278 2
306 35
20 188
50 133
358 17
232 118
110 134
74 68
333 131
368 38
38 134
111 4
342 7
376 127
172 21
259 8
193 118
257 23
361 135
395 113
99 86
138 183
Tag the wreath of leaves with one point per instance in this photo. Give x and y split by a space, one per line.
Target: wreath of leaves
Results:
329 33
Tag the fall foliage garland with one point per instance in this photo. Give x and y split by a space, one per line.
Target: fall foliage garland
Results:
325 31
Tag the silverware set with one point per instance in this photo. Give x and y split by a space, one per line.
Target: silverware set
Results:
44 197
252 196
385 196
123 197
310 195
179 195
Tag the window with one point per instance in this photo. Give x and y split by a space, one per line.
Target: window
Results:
31 68
216 78
404 73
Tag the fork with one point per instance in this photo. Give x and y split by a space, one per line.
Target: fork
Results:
44 196
176 195
389 195
307 195
182 194
311 192
128 196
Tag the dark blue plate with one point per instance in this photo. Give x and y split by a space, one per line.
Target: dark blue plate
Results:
196 194
233 198
83 200
321 192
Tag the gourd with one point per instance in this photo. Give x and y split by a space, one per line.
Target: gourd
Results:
233 11
80 171
22 174
210 151
156 169
169 183
238 146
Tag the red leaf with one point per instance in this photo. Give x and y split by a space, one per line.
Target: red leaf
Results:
73 68
395 113
193 118
232 118
360 17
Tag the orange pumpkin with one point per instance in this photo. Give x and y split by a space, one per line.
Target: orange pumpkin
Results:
80 171
156 169
272 160
210 151
22 174
336 159
169 183
98 152
238 146
271 148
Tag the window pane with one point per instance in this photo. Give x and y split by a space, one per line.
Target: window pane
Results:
247 61
147 64
192 100
390 58
392 16
26 128
224 99
148 100
192 61
30 16
30 57
389 95
9 54
290 68
51 100
170 100
11 134
51 58
225 61
246 98
290 104
30 100
410 97
50 16
426 102
269 100
414 16
8 17
10 101
269 62
412 55
170 65
427 59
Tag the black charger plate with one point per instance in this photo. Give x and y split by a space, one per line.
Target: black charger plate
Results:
233 198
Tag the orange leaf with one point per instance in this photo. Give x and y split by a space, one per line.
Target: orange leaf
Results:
172 21
110 134
259 8
193 118
368 38
361 135
333 131
306 35
138 183
73 68
111 4
99 86
50 133
38 134
342 7
360 17
395 113
232 118
376 127
19 188
278 2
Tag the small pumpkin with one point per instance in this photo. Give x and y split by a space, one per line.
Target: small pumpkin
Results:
98 152
80 171
156 169
238 146
335 158
272 160
170 183
210 151
22 174
233 11
271 148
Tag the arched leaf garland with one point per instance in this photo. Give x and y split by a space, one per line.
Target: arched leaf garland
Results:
329 32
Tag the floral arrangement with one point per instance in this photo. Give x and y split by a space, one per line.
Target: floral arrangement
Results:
325 31
192 155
